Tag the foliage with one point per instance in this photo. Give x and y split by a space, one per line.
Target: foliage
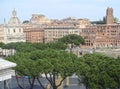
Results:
57 45
116 19
1 44
72 38
26 21
98 22
103 21
49 62
19 46
55 63
29 47
25 67
98 71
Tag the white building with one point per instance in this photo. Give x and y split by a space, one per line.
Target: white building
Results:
6 71
13 31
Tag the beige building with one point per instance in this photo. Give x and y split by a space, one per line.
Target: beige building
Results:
1 33
83 23
39 19
13 31
55 31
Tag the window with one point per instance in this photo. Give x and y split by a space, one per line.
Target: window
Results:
8 30
19 30
14 30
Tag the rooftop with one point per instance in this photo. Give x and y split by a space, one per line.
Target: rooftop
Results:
4 64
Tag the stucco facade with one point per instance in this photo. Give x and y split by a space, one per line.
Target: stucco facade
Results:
54 31
13 30
34 35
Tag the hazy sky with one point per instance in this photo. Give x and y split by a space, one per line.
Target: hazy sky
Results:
58 9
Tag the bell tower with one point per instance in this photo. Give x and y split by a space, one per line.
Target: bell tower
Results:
109 16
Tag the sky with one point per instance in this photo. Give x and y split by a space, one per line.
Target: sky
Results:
58 9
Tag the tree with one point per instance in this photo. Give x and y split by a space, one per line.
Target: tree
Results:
26 21
116 19
99 71
28 47
20 46
72 39
25 67
1 44
54 63
56 45
103 21
49 62
113 70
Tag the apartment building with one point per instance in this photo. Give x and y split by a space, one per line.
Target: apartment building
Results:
34 35
54 31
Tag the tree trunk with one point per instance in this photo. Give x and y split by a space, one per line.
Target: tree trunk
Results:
54 87
31 82
5 84
40 83
19 83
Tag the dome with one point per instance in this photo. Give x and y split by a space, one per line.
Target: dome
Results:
14 20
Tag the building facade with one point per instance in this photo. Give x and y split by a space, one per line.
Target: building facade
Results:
34 35
13 31
54 31
100 36
82 23
103 35
1 33
39 19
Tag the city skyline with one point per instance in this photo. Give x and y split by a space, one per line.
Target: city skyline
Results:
58 9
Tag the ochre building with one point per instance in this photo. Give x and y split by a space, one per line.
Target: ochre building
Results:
34 35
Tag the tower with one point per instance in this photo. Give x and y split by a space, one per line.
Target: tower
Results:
14 13
14 20
109 16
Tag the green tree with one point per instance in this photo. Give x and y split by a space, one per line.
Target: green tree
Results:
49 62
28 47
26 22
113 70
1 44
25 67
56 45
72 39
98 71
116 19
54 63
20 46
